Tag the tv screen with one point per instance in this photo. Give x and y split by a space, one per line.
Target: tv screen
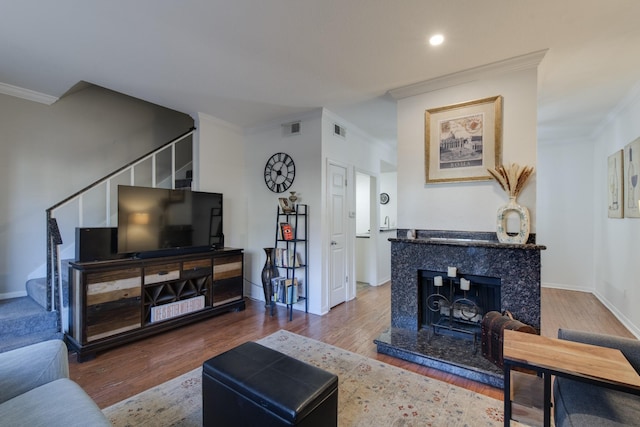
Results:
152 219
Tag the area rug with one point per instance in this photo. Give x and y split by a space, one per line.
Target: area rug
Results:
370 393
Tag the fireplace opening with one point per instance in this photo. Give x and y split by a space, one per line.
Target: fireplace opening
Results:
454 306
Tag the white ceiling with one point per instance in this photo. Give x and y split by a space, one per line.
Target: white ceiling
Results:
253 61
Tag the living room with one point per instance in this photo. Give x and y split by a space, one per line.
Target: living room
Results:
586 250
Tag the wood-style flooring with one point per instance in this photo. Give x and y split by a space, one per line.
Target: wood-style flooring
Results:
127 370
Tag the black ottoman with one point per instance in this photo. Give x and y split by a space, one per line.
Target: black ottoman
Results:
252 385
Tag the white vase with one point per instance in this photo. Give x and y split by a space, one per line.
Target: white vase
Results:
525 223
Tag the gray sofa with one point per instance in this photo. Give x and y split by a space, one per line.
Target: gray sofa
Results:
580 404
35 389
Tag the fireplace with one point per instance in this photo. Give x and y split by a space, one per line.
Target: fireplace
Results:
510 274
455 304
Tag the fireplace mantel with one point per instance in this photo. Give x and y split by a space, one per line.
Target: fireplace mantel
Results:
476 253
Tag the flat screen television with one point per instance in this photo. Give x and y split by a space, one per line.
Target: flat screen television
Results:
159 219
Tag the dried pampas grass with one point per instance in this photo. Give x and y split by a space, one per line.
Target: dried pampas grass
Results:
512 178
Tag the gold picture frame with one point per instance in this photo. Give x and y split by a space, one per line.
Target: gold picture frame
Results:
615 185
463 140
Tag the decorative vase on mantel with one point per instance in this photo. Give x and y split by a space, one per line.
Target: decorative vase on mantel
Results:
525 223
512 180
269 271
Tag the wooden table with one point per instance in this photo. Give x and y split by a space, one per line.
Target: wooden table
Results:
592 364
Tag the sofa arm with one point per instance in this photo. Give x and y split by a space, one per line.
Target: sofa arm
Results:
629 347
29 367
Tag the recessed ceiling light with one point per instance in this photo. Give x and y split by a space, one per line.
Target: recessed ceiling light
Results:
436 40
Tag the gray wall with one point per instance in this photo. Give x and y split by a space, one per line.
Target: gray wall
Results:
49 152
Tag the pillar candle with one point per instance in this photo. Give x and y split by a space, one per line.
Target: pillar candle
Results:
465 284
452 271
437 281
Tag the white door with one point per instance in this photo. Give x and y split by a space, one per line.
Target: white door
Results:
337 205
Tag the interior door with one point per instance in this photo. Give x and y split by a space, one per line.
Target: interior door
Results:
337 194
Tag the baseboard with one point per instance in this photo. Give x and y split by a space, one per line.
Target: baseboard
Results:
621 317
10 295
567 287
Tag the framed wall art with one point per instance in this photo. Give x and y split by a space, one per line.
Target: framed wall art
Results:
463 140
631 170
615 185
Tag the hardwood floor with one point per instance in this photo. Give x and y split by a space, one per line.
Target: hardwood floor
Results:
124 371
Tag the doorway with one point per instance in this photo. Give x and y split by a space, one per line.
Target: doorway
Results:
366 230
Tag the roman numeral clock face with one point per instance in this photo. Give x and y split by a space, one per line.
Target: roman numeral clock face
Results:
279 172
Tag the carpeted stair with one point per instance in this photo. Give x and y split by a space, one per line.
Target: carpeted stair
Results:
25 320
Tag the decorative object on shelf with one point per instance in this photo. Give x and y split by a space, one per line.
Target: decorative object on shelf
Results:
285 205
279 172
512 179
293 198
286 230
269 271
384 198
462 140
631 171
616 185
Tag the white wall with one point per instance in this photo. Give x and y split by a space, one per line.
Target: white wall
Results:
219 167
616 241
261 143
360 153
389 185
469 206
566 214
47 153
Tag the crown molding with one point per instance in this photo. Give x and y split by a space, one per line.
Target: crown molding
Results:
518 63
27 94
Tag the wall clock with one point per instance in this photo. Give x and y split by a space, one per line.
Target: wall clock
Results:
279 172
384 198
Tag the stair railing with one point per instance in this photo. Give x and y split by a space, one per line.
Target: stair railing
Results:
54 238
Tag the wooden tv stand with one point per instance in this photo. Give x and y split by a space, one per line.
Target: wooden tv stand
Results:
118 301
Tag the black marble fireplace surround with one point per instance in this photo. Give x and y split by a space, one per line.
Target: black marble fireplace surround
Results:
471 253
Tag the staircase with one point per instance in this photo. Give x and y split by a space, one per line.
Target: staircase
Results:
39 316
25 320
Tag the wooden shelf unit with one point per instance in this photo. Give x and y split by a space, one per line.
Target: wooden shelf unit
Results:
118 301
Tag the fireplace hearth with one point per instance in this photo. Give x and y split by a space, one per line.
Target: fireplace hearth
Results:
433 330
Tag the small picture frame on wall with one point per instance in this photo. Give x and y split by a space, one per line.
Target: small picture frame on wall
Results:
631 172
615 185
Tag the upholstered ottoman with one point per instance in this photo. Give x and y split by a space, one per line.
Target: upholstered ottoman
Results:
252 385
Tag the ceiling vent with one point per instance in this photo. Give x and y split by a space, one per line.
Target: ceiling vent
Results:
339 130
291 128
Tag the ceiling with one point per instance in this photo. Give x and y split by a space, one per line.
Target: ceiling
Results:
254 61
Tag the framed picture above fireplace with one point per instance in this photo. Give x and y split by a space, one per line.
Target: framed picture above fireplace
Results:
463 140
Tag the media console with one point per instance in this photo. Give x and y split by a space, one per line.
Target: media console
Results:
117 301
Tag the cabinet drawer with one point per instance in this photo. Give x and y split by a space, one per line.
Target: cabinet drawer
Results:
227 290
227 267
196 268
161 273
113 317
113 285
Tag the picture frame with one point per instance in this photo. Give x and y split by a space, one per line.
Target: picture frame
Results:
285 205
463 140
631 173
615 185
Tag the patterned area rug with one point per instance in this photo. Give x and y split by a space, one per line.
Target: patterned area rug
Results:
370 393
